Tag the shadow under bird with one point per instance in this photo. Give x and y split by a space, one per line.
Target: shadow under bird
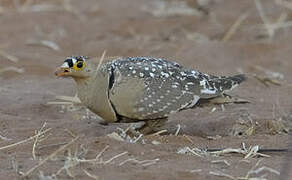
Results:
131 89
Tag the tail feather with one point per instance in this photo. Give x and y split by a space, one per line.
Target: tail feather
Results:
238 78
233 81
221 84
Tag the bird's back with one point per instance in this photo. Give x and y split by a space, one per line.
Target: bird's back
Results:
151 88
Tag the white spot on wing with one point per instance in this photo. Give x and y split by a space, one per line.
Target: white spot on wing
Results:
208 91
203 82
165 74
140 109
183 73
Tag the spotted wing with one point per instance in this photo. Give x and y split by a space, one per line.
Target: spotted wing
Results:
152 88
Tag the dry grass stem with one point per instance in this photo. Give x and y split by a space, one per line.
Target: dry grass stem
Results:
67 6
129 135
222 107
26 140
97 159
264 18
50 157
186 150
46 43
59 103
178 129
101 152
46 177
253 170
172 8
115 136
221 174
159 132
234 27
8 56
269 73
143 162
188 138
267 81
70 133
195 170
73 161
221 161
50 145
13 69
228 150
4 138
272 27
115 157
67 100
263 168
73 99
138 138
251 152
91 175
37 139
101 60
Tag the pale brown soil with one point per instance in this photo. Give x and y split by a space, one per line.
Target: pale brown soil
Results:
131 28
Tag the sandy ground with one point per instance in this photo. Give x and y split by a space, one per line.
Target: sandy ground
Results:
215 36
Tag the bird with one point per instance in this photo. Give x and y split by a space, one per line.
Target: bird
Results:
132 89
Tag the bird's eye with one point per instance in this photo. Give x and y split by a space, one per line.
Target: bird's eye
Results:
79 65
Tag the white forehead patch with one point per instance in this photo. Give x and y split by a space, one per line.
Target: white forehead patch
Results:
74 60
65 65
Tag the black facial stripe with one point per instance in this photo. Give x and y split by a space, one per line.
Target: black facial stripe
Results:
70 62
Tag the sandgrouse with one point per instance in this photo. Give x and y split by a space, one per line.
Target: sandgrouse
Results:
141 88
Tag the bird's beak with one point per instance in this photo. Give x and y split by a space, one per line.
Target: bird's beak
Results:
61 71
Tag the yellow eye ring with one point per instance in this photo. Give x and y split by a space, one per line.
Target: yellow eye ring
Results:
79 65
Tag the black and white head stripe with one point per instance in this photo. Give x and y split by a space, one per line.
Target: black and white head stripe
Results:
71 60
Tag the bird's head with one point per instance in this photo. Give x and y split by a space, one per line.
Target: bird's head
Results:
75 66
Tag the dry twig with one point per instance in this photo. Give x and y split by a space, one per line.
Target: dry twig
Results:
221 174
24 141
9 56
264 18
101 60
46 43
143 162
37 139
177 130
50 157
234 27
91 175
13 69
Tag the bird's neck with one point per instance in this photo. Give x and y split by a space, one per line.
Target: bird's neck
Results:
83 87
